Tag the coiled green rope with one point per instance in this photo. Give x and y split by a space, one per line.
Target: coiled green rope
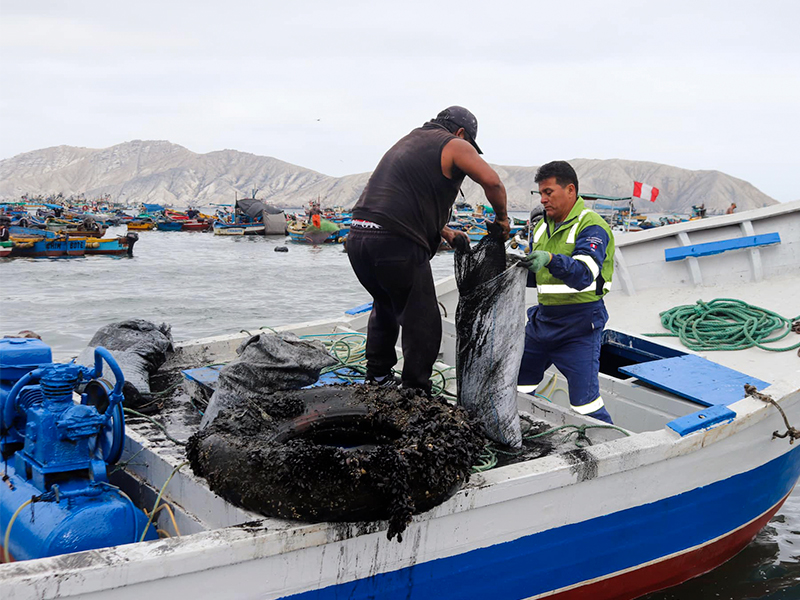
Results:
726 324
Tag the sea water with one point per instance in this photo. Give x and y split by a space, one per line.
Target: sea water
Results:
204 285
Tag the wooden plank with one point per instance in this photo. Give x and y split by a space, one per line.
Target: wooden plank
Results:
710 248
755 256
702 419
694 264
357 310
695 378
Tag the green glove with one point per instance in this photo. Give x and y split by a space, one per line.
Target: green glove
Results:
536 260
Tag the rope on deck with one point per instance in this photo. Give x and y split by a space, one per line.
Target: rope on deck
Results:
727 324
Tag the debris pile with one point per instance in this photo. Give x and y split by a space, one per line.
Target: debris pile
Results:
338 453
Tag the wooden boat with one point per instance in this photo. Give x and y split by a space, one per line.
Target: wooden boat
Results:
235 229
194 225
75 228
164 225
297 234
141 225
253 217
688 479
477 232
176 215
41 243
5 248
115 246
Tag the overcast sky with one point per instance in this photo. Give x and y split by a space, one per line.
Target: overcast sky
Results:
331 85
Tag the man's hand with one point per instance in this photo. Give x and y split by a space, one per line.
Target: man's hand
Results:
457 239
536 260
505 226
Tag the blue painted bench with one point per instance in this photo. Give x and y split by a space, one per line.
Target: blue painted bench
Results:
357 310
699 380
710 248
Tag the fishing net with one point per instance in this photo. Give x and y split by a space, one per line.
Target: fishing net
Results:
317 235
490 326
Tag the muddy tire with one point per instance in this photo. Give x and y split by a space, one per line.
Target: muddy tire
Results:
354 453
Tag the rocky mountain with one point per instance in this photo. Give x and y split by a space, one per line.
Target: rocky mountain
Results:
162 172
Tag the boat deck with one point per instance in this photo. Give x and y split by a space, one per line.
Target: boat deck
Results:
640 314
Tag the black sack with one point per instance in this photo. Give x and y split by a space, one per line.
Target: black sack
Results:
267 363
490 330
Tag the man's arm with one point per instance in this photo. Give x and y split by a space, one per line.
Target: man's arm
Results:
461 154
582 268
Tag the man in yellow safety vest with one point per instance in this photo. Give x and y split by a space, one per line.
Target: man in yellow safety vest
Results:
572 264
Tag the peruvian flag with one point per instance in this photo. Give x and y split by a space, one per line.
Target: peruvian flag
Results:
644 191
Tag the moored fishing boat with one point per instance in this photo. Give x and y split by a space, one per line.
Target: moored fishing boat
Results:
141 225
678 490
195 225
5 248
116 246
236 229
41 243
168 225
298 233
79 228
252 217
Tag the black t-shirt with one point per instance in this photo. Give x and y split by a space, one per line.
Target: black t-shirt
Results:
407 193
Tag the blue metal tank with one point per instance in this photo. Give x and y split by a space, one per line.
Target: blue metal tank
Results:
55 497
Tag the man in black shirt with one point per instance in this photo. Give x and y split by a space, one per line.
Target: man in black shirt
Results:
398 224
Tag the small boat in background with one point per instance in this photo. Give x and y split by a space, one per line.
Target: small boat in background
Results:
299 233
141 225
41 243
253 217
195 225
86 227
5 248
169 225
236 229
117 246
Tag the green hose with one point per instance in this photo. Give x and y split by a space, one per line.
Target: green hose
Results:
726 324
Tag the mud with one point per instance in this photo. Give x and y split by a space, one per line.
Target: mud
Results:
583 463
338 453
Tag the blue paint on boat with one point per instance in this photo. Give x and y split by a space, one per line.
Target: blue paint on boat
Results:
169 225
569 555
711 248
702 419
357 310
695 378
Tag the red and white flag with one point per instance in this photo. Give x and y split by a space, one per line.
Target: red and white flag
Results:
644 191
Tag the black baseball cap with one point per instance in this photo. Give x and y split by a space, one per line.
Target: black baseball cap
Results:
463 118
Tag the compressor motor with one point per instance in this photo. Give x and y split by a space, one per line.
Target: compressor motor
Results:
55 496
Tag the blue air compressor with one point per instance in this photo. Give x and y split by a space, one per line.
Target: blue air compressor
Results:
55 496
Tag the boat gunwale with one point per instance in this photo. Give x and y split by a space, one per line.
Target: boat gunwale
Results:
708 223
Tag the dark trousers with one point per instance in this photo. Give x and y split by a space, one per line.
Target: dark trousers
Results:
397 274
569 337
